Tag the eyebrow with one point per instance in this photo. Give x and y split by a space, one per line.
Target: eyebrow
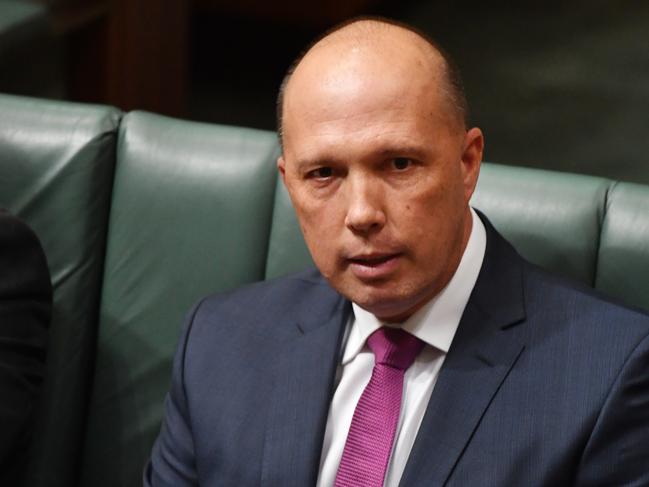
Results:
303 163
405 150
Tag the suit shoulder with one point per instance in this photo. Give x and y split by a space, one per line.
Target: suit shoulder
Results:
572 302
267 304
266 293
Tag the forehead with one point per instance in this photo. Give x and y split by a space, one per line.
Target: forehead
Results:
362 89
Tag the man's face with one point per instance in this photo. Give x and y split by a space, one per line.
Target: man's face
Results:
380 177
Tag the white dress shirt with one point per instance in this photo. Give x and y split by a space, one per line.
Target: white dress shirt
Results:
435 324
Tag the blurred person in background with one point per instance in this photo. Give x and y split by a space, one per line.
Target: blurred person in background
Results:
25 311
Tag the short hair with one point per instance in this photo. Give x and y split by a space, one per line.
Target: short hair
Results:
455 87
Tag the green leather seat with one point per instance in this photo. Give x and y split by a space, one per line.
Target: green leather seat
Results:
56 172
198 208
191 215
563 215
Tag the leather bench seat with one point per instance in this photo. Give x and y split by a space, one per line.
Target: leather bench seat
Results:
142 215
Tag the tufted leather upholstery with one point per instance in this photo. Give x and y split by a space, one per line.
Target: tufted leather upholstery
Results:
197 208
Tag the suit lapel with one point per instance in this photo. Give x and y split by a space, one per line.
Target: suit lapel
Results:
304 378
489 340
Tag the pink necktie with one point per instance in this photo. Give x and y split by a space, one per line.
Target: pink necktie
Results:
371 434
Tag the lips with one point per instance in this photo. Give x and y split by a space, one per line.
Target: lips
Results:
372 260
374 265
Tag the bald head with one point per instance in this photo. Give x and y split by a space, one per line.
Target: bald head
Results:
344 54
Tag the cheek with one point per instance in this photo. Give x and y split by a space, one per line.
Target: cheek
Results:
315 219
427 218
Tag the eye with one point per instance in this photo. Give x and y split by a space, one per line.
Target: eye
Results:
401 163
321 173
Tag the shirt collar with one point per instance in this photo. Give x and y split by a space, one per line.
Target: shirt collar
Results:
436 322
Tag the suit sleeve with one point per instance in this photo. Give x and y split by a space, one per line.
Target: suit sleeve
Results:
25 310
617 452
172 462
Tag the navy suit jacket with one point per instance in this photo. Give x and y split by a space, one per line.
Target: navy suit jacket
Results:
545 384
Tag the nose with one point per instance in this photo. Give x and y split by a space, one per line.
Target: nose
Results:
365 212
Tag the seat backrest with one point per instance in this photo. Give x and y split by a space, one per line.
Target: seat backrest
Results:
623 258
56 171
191 214
553 219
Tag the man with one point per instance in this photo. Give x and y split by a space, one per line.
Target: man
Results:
425 351
25 309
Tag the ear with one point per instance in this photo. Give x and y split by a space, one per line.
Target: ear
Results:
281 167
471 159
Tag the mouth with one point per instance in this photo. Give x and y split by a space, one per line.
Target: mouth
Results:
373 266
371 260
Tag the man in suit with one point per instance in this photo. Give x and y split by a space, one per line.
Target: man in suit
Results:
424 350
25 308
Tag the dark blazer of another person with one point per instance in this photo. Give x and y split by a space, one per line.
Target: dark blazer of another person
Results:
545 384
25 309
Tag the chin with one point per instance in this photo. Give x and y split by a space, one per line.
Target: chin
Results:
396 305
389 300
389 308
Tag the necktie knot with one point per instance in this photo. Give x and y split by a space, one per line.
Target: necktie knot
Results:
394 347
